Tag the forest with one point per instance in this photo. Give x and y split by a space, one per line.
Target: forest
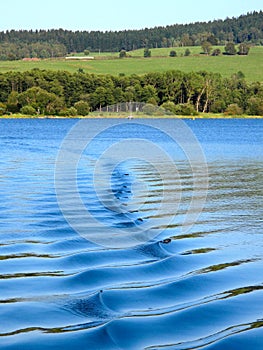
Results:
43 92
16 45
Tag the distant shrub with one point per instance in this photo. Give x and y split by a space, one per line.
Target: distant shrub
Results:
218 106
160 111
12 105
122 54
169 107
149 109
73 111
2 108
216 52
240 75
152 101
234 109
68 112
147 53
82 108
185 109
255 106
173 53
187 52
28 110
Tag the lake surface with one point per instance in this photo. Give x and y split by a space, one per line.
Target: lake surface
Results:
70 279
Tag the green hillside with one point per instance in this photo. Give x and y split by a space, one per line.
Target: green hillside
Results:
105 63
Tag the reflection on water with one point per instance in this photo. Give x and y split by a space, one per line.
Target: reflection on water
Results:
180 290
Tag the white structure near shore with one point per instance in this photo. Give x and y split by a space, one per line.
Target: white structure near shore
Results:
80 58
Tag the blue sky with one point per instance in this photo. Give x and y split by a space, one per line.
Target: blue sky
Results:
116 14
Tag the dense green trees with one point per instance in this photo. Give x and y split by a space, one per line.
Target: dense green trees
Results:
63 93
18 50
58 42
40 100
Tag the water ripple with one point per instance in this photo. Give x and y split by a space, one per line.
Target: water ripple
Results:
190 290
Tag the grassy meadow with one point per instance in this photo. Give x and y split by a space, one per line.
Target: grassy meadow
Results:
109 63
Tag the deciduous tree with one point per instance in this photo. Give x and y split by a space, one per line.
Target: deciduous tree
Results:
230 49
206 47
243 49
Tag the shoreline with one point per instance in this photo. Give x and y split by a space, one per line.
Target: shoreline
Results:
144 116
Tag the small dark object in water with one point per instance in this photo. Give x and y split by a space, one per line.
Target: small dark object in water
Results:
126 174
140 219
166 240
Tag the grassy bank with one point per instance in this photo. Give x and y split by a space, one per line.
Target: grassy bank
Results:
97 115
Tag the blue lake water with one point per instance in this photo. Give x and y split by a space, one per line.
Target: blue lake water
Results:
69 280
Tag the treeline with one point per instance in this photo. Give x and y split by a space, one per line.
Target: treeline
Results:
17 51
66 94
244 29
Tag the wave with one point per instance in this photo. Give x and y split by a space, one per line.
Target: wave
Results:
177 290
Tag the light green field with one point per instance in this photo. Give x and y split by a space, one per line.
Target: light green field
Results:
109 63
195 50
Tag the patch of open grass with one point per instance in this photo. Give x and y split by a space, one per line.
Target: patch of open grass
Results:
251 65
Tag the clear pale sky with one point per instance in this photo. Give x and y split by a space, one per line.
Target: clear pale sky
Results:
116 14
